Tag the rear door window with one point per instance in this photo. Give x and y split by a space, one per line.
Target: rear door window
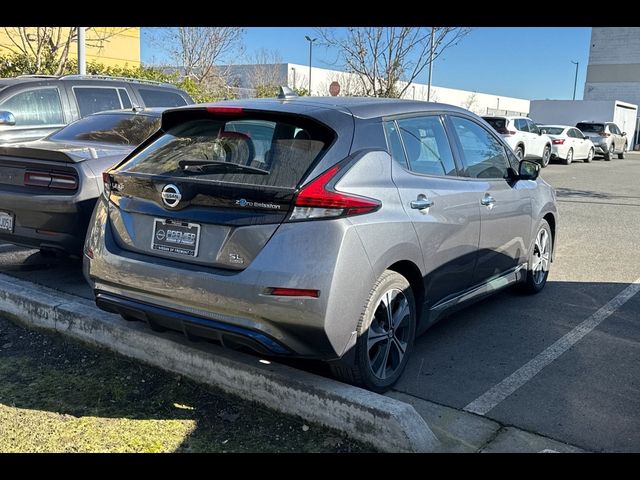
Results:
521 124
40 106
259 150
96 99
161 98
427 146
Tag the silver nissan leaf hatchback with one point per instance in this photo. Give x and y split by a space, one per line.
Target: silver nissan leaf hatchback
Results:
327 228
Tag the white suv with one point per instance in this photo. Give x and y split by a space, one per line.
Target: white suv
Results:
524 137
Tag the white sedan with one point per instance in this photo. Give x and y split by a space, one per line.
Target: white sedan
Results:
568 143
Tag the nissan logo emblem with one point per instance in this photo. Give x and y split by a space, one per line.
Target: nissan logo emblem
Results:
171 195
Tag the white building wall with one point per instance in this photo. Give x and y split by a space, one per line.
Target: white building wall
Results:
480 103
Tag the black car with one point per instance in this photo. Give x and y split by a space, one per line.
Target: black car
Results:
48 187
33 106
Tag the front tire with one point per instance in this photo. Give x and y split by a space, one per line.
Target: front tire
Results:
546 156
539 260
609 154
569 159
386 332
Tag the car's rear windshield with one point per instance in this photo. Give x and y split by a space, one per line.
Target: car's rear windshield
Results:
591 127
552 130
249 150
496 123
117 128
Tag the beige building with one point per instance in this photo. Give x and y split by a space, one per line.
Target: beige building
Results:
112 46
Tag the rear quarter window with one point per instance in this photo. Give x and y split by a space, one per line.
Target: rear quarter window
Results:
161 98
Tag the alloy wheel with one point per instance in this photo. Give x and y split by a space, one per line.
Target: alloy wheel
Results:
389 334
541 256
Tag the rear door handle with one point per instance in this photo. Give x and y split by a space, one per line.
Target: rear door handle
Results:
421 203
487 200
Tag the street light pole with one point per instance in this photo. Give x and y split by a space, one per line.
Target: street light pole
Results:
310 40
433 29
82 59
575 81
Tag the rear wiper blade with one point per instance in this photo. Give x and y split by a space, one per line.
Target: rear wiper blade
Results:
202 166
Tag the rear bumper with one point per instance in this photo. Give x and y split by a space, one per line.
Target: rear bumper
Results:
192 325
229 305
53 221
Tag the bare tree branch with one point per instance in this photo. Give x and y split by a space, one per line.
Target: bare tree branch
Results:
196 51
388 59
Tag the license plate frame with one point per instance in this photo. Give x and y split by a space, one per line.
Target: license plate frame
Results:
7 222
173 240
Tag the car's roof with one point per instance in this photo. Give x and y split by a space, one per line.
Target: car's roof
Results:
592 121
361 107
7 82
558 126
151 111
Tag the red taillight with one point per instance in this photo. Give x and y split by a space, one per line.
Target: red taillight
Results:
226 110
294 292
57 181
557 141
504 131
317 200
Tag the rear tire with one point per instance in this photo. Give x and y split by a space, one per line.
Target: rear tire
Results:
539 260
621 154
386 332
589 156
569 159
519 152
546 156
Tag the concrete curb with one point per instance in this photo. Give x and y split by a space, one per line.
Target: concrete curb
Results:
388 424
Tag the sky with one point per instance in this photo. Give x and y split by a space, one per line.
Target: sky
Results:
523 62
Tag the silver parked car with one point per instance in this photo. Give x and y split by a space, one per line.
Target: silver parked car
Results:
49 187
327 228
606 137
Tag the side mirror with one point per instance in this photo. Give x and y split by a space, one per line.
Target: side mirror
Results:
624 134
7 118
528 170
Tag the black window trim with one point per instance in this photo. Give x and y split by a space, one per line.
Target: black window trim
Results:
394 119
48 125
457 147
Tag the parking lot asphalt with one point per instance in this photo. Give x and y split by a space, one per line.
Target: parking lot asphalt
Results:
564 363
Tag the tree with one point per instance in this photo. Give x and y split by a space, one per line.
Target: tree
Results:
384 58
196 51
470 102
45 50
265 69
